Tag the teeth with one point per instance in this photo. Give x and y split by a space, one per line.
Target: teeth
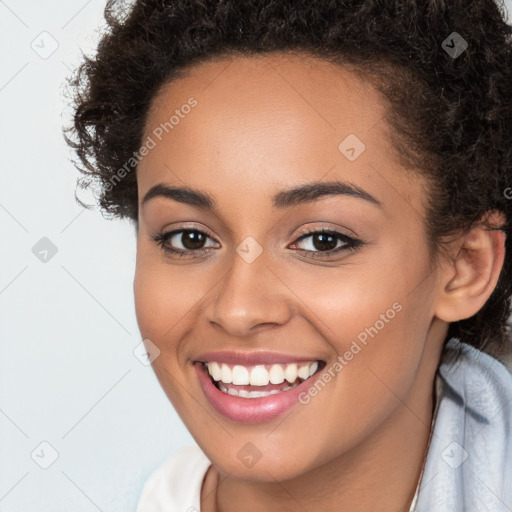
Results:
303 371
276 374
251 394
225 375
240 375
259 375
215 371
290 373
257 394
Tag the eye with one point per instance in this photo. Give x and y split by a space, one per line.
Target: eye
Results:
191 241
325 242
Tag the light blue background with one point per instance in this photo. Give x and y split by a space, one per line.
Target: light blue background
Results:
68 375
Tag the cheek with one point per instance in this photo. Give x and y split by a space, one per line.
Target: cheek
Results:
370 299
160 304
376 316
166 298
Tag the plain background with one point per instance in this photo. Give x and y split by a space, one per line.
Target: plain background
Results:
68 374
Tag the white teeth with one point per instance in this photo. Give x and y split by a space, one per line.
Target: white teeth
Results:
257 394
276 374
290 373
259 375
240 375
225 374
303 371
215 370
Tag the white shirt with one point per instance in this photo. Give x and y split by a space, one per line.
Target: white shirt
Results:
175 485
468 467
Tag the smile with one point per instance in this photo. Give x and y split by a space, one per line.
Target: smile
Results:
239 380
253 392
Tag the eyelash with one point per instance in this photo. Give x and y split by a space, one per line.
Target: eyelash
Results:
351 243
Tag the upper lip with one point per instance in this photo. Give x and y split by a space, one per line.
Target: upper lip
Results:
251 358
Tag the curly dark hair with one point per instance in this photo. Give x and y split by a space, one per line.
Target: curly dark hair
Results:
450 115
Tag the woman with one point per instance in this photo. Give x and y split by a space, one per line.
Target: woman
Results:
321 196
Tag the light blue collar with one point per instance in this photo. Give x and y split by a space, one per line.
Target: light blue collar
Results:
468 467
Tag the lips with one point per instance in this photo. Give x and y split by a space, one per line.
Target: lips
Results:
254 387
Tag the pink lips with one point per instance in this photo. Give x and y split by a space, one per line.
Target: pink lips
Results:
248 410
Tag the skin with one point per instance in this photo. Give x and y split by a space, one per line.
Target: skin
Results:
263 125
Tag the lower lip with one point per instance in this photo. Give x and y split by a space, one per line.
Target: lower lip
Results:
248 410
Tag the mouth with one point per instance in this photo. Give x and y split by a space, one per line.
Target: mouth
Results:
257 392
260 380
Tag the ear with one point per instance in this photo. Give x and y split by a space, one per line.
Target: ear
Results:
471 272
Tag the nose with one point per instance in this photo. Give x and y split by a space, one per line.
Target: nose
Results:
251 298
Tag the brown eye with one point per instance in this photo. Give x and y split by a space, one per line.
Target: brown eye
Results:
183 242
324 243
192 240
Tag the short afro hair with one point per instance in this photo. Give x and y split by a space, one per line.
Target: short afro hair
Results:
450 115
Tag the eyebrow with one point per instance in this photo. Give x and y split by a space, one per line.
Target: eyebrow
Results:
283 199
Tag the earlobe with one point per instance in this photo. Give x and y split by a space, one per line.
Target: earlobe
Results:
471 276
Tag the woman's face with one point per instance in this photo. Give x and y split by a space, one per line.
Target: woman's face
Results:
360 299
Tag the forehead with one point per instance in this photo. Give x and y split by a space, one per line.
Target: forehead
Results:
305 89
276 118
